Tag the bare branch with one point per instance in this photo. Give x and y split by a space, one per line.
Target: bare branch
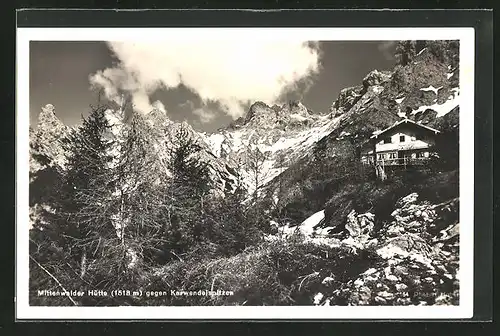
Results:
55 279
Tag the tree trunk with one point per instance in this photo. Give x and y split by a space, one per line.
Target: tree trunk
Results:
381 173
83 264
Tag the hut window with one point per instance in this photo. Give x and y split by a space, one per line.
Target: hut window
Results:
401 138
387 140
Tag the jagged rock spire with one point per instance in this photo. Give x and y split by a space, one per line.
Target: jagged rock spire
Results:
49 123
47 137
47 118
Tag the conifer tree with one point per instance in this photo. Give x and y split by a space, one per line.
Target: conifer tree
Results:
141 195
229 220
85 205
255 165
187 192
405 52
77 229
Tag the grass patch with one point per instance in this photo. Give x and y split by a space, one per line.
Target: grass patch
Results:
275 273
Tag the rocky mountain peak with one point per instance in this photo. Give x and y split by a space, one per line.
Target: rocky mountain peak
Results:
346 99
258 110
45 140
296 107
376 77
158 118
262 116
423 86
49 108
49 126
48 120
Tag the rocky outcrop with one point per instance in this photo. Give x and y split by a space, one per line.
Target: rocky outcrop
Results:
402 281
289 115
46 141
360 227
376 77
404 245
346 99
418 256
260 114
409 216
418 89
418 270
349 97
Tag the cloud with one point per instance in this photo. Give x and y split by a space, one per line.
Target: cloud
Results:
205 114
188 104
231 73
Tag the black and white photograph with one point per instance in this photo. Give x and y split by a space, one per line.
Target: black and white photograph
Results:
246 169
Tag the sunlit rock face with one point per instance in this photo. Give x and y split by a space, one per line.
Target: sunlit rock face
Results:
417 255
46 140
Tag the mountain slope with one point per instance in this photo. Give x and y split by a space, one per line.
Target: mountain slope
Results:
425 90
320 229
296 143
47 149
283 134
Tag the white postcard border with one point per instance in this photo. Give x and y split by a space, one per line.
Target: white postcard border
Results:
464 310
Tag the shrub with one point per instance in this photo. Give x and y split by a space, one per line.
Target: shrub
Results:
275 273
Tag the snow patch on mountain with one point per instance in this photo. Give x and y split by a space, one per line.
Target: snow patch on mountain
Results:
215 143
442 109
431 88
281 146
399 100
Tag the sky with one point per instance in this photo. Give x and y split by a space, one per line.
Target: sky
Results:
206 84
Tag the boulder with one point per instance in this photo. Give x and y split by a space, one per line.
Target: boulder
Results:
361 226
407 200
405 245
403 281
360 297
411 217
